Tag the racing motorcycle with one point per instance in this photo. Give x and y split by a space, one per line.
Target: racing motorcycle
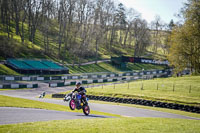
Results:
78 101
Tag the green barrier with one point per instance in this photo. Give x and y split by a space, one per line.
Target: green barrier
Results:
84 82
114 80
35 85
46 78
105 80
22 86
18 78
60 84
73 83
95 81
6 86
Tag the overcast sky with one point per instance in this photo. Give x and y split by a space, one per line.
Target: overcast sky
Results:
166 9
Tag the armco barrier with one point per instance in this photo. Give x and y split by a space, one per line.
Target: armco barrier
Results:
140 102
115 79
89 81
16 86
84 76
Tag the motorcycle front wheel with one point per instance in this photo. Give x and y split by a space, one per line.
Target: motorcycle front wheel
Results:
86 109
72 104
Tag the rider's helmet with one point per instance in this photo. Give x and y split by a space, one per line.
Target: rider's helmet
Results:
78 83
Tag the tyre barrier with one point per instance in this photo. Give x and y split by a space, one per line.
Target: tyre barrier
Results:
58 95
17 86
174 106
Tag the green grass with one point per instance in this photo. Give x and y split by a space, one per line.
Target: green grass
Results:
14 89
151 108
6 101
111 125
4 70
164 92
108 67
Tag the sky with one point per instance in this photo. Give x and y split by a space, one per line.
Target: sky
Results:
166 9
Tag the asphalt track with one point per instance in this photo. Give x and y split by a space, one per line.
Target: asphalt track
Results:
10 115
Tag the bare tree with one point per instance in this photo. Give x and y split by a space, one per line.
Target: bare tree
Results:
156 27
131 16
141 35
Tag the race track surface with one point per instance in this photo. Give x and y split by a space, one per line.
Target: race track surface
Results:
11 115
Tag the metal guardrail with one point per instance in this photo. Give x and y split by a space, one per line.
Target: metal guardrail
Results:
83 76
16 86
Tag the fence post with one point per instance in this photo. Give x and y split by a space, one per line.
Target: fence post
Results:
142 86
157 86
190 89
128 85
173 87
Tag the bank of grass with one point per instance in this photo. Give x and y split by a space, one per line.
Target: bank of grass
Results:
6 101
110 125
182 90
4 70
196 115
108 67
14 89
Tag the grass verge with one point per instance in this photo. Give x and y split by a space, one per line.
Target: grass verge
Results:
151 108
183 90
14 89
116 125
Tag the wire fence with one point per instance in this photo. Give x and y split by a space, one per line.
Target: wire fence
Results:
151 86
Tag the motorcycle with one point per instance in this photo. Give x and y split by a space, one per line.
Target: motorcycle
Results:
78 101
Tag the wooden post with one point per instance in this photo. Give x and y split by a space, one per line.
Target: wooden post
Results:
142 86
157 86
173 87
190 89
128 85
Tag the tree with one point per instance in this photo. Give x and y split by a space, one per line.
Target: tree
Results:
131 16
171 25
121 20
185 42
156 27
141 36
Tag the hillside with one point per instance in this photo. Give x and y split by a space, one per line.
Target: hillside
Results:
108 67
37 50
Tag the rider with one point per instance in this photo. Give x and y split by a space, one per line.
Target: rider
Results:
80 90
